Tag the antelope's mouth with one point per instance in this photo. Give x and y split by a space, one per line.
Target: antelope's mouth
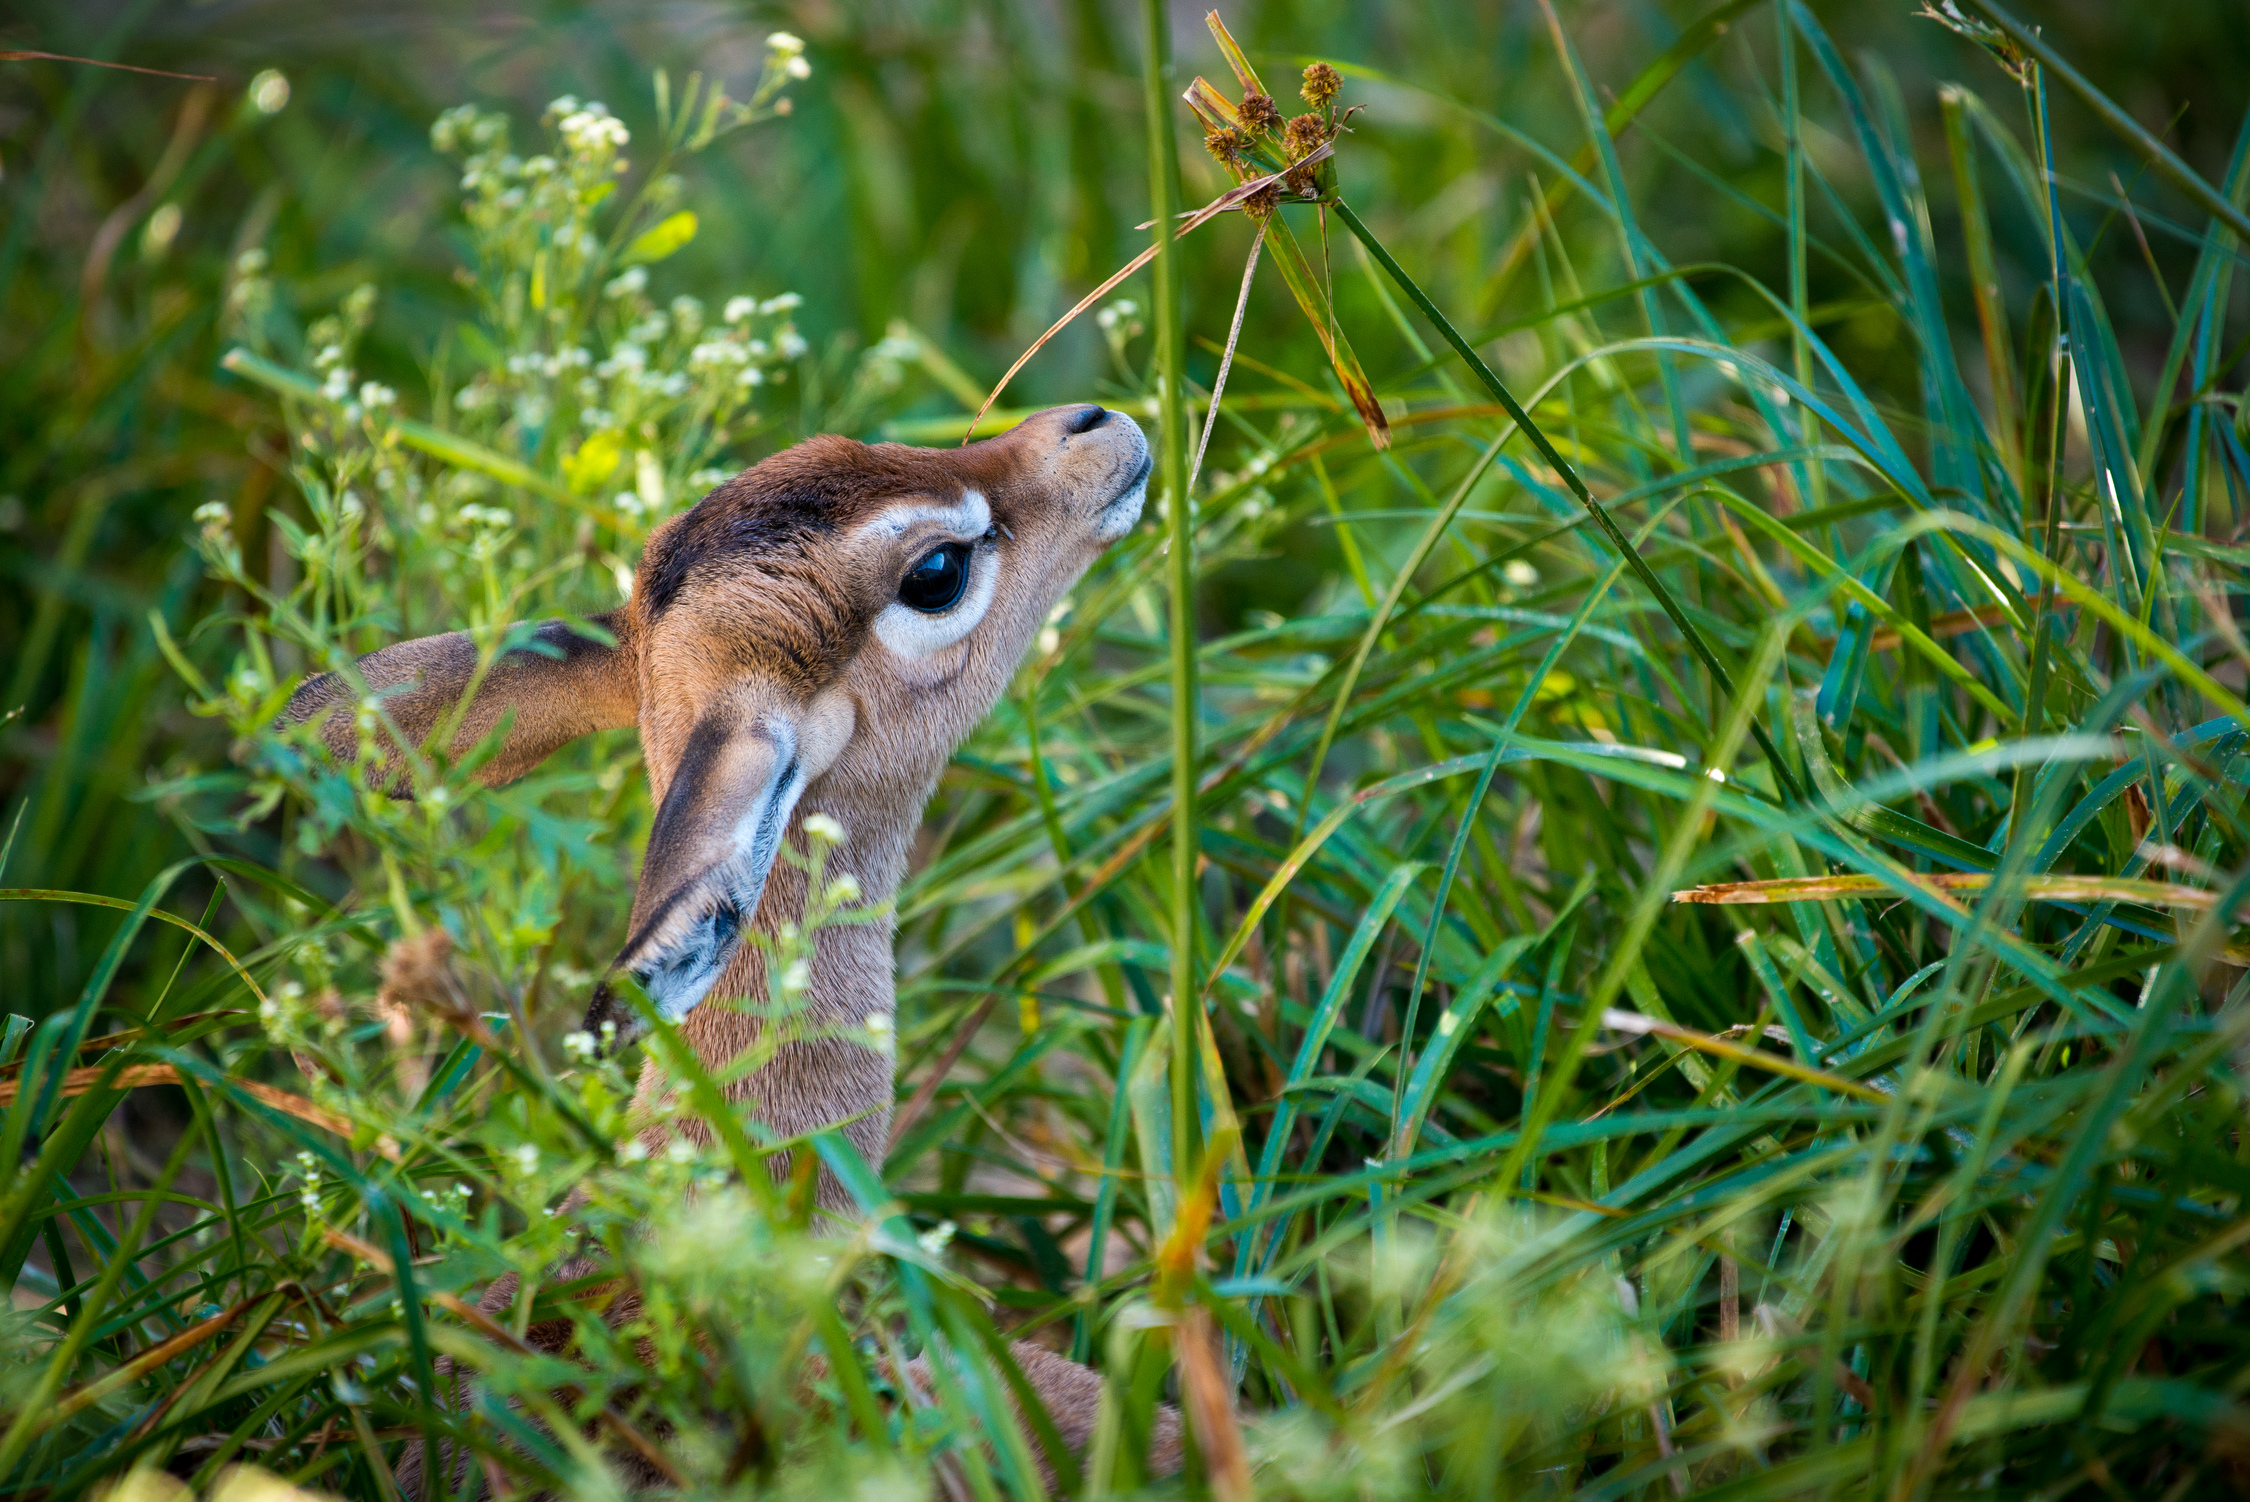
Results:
1116 518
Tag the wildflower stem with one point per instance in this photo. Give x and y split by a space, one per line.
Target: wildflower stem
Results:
1164 196
1724 684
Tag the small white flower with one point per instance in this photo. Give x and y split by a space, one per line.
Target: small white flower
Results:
338 386
712 352
784 43
632 1150
594 130
844 888
937 1238
212 514
627 283
880 1025
579 1045
527 1158
791 344
825 828
269 92
781 304
680 1150
739 308
751 376
797 67
1520 574
623 357
373 394
796 977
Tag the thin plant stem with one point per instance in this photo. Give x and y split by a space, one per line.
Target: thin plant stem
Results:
1172 475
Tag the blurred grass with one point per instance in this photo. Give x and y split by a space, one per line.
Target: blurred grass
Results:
1847 1175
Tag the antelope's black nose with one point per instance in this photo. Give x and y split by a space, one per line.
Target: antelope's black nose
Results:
1086 419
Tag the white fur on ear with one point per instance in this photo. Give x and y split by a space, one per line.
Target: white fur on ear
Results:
688 942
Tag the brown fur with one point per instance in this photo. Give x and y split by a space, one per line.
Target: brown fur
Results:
751 635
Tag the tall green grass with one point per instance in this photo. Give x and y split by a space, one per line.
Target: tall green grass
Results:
1714 916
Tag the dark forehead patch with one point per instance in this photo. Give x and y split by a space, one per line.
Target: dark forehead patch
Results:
712 532
787 503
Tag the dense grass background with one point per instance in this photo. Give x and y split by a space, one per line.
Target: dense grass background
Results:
1499 1172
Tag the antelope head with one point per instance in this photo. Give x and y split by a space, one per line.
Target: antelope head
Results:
817 634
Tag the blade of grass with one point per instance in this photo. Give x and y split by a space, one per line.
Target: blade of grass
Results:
1784 779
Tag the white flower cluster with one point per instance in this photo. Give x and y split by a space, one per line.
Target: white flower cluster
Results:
308 1170
574 357
589 128
884 364
789 53
490 518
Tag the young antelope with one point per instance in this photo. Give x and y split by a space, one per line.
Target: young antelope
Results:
815 636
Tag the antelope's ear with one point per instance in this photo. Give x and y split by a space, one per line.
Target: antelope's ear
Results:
561 684
715 838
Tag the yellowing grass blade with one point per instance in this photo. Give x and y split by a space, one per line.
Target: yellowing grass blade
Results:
1214 109
1289 260
1189 223
1243 72
2041 888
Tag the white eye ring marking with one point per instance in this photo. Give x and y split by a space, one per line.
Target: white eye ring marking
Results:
912 633
968 518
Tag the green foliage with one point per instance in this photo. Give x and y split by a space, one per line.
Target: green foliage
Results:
1714 888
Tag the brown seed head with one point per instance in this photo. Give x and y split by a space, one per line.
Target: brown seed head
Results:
1225 144
1305 134
1263 202
1321 85
1259 114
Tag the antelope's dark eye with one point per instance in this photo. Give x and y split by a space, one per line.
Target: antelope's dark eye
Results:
936 583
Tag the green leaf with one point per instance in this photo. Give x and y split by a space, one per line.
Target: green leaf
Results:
660 239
